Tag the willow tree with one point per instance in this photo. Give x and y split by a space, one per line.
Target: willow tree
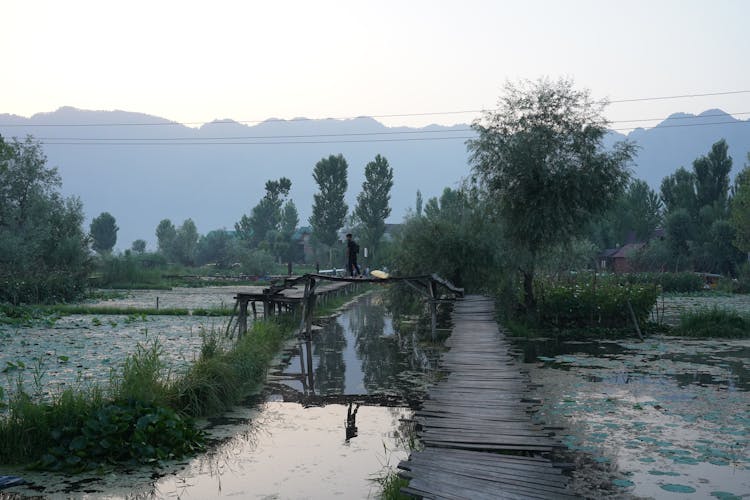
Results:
540 156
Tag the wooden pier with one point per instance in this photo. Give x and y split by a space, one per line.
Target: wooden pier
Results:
479 441
293 292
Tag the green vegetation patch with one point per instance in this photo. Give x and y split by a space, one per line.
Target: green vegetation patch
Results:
593 304
714 322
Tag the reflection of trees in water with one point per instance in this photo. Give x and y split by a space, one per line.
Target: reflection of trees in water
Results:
384 357
329 345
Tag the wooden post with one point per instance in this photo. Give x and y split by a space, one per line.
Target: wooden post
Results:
309 307
310 379
433 308
157 302
635 320
255 311
289 268
242 318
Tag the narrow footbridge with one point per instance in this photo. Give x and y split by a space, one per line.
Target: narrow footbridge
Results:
291 292
479 441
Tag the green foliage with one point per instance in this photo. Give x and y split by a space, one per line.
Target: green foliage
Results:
221 377
266 216
257 262
740 211
103 233
140 417
700 234
165 236
372 202
120 270
43 249
185 243
139 246
390 486
637 211
678 191
329 208
456 238
127 432
715 322
540 156
218 247
588 303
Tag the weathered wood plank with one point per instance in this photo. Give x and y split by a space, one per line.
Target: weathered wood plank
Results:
480 409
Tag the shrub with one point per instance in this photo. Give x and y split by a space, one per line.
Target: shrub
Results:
589 304
715 322
122 432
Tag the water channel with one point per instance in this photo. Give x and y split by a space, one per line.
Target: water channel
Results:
333 418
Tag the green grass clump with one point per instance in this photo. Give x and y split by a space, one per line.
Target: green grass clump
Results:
715 322
390 486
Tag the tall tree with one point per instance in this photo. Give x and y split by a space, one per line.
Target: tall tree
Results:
540 154
678 191
165 235
139 246
289 218
103 233
372 203
44 252
266 215
740 214
186 243
712 176
329 208
637 213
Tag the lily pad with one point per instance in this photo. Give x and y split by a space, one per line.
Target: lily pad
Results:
623 483
678 488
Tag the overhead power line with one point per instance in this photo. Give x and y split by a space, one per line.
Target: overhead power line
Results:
335 141
396 115
360 134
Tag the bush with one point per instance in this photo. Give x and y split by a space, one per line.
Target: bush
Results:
124 432
715 322
588 304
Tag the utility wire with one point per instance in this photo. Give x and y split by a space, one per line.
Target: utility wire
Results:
657 98
352 134
404 139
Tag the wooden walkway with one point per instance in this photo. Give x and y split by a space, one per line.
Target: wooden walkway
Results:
478 438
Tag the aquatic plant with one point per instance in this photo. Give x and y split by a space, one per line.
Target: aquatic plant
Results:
593 304
122 432
714 322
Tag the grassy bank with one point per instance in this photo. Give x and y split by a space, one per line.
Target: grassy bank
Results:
714 322
26 315
145 413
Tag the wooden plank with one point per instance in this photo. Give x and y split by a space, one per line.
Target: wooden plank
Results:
479 409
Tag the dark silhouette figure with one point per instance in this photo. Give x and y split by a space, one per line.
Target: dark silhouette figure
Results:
351 422
352 249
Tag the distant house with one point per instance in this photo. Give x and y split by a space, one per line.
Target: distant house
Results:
618 260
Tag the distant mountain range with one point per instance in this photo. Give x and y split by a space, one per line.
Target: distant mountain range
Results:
143 168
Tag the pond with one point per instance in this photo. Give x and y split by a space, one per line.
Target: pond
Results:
664 418
329 434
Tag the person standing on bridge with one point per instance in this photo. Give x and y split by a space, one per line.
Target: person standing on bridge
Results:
352 249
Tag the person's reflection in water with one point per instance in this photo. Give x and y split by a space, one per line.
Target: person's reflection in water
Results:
351 422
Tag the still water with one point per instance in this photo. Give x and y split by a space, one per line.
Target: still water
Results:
664 418
321 430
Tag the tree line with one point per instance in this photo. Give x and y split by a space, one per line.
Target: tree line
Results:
545 197
46 255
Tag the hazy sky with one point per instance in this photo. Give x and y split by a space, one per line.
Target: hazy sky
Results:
198 61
